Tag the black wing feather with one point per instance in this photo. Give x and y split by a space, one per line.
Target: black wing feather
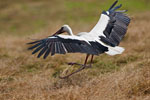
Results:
116 27
48 50
42 51
38 44
39 48
56 44
53 49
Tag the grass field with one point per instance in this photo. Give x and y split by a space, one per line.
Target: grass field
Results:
24 77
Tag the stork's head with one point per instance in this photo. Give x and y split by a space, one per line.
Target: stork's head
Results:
64 28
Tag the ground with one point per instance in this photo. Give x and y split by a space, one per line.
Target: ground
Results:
25 77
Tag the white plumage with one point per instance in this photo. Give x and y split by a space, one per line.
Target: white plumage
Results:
100 26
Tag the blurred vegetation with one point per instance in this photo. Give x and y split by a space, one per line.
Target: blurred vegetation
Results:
24 17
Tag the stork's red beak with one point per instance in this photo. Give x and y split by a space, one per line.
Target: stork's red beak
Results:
59 32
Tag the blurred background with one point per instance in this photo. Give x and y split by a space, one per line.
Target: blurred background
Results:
24 17
24 77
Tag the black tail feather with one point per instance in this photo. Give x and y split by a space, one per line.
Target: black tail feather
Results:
116 7
113 8
113 4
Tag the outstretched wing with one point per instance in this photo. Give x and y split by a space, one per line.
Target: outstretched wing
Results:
112 25
61 44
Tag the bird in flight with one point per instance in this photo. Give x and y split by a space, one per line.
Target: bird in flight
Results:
103 38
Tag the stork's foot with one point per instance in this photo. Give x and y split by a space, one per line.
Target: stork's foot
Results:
72 63
86 66
78 70
89 66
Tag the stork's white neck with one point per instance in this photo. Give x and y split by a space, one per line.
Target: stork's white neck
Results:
68 29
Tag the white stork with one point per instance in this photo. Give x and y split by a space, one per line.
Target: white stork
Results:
103 38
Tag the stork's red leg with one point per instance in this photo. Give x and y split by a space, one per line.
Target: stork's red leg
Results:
91 61
87 56
85 62
81 68
87 66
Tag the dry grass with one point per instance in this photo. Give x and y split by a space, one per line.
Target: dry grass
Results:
121 77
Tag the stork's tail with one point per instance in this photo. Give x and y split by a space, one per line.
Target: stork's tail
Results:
113 8
113 5
115 50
